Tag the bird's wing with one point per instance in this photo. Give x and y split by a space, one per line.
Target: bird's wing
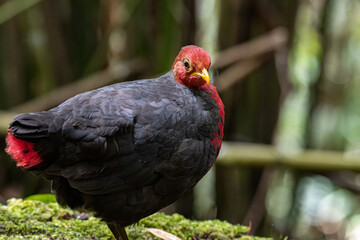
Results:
109 138
96 129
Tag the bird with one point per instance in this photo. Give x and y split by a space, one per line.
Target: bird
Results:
126 150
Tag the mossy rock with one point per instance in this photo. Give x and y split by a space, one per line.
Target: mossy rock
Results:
30 219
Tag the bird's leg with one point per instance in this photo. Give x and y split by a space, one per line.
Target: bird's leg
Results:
118 231
122 232
113 229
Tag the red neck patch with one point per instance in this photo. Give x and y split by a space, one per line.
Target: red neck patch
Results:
218 136
22 151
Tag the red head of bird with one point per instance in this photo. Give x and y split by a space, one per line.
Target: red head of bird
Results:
191 67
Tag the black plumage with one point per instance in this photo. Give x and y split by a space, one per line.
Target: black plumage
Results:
126 150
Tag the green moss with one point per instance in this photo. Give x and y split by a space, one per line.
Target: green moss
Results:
29 219
46 198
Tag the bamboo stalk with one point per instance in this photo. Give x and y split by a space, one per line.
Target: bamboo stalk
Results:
265 155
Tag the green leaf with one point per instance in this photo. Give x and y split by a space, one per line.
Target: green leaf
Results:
45 198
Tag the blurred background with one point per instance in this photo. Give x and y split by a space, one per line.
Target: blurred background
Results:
287 71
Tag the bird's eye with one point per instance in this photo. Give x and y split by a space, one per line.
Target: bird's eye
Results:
187 64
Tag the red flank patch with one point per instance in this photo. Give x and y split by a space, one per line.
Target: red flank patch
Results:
22 151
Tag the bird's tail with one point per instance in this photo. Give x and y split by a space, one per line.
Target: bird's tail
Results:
24 138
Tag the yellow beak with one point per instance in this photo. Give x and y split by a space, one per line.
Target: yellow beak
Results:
204 75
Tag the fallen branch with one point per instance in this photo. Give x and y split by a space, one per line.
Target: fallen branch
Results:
238 71
233 154
96 80
261 45
118 72
10 9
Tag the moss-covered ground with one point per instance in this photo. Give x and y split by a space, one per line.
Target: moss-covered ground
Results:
30 219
